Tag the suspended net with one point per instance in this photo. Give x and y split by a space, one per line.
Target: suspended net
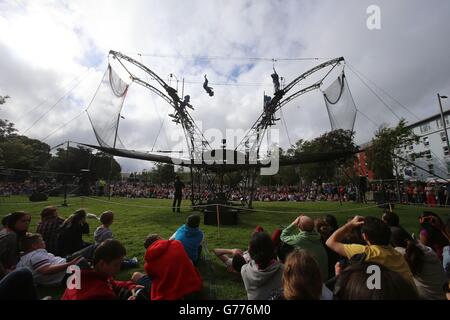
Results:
104 110
340 105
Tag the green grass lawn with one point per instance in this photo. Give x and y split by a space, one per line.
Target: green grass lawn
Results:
136 218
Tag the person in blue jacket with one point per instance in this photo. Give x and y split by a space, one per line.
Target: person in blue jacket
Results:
191 237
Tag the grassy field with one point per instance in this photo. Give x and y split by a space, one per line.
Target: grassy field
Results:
136 218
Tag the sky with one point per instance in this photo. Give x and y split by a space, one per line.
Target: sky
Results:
53 55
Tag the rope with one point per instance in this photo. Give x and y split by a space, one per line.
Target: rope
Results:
23 115
63 126
376 95
225 206
285 127
384 91
55 104
227 58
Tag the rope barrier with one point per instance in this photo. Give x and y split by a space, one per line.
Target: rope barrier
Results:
227 206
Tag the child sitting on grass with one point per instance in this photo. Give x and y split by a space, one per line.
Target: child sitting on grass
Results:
47 269
98 283
104 232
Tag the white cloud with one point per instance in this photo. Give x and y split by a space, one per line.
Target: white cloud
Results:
45 45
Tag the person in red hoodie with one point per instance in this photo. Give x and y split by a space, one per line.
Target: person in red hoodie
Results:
173 275
98 283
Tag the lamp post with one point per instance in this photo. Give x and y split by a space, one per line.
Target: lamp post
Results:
443 120
445 129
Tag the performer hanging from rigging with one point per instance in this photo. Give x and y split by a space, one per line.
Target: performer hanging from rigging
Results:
275 80
209 90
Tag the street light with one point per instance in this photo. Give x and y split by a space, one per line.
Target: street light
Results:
443 121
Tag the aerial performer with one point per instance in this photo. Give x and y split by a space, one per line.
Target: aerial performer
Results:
276 81
209 90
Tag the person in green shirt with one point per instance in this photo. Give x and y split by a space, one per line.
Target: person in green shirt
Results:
300 234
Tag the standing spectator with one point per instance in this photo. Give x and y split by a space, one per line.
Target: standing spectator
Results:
301 235
429 192
263 273
48 227
178 195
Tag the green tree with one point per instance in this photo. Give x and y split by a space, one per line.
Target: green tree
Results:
389 141
75 159
21 152
326 171
163 173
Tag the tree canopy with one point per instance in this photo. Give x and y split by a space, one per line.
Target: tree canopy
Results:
389 141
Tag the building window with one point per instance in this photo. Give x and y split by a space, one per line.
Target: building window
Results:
443 137
425 128
431 168
411 147
448 167
427 155
445 150
439 122
426 141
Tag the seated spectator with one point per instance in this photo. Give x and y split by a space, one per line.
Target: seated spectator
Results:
302 279
18 285
352 284
263 273
70 234
301 235
191 237
429 275
233 259
446 252
432 232
15 226
171 271
103 232
47 269
325 227
98 283
48 227
393 221
377 249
